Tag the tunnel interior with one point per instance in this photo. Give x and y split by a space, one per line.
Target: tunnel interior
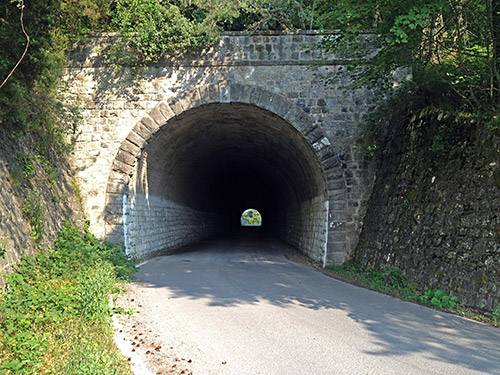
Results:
207 165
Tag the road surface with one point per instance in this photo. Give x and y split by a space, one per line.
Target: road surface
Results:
241 307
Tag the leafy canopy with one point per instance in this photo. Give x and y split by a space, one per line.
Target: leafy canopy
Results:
158 26
29 100
451 46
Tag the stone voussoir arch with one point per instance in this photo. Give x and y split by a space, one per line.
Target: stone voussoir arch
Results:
131 148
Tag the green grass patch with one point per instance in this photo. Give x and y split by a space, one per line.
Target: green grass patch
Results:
495 314
393 281
55 309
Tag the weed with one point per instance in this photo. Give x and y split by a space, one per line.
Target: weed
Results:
55 309
390 279
2 251
393 280
121 310
347 270
83 347
51 173
33 211
371 136
26 164
93 286
439 298
495 314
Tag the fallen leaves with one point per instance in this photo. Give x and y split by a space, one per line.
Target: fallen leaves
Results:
159 358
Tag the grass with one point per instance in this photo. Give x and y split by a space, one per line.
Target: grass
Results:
55 309
393 281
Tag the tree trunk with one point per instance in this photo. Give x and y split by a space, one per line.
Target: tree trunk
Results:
312 14
495 33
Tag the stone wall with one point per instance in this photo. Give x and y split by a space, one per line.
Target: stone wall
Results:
153 225
435 209
57 202
305 227
15 232
277 64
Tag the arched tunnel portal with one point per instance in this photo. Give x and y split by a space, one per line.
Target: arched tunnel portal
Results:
204 166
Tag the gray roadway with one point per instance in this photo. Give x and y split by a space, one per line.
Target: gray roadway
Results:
240 307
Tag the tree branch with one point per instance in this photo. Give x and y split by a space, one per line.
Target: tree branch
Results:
25 49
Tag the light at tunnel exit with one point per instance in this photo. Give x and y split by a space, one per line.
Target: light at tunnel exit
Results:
251 218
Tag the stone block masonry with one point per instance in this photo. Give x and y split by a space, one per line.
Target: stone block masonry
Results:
27 200
126 110
169 153
435 215
152 225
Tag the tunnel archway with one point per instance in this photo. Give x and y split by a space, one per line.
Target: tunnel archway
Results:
185 173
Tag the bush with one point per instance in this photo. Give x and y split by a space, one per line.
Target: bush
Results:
59 299
439 298
495 314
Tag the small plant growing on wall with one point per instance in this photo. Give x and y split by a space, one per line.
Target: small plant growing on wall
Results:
495 314
26 164
33 211
439 298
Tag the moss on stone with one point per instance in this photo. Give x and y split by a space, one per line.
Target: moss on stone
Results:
496 178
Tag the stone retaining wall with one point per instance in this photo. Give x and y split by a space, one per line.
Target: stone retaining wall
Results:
436 214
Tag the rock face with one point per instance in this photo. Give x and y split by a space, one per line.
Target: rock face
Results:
15 232
36 197
435 208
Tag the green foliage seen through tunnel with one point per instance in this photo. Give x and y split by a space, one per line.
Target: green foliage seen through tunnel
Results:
251 217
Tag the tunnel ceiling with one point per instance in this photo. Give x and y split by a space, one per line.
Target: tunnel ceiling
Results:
235 155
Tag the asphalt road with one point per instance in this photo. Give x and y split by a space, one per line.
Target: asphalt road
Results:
241 307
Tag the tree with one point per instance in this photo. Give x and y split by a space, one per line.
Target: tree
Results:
28 98
155 27
452 46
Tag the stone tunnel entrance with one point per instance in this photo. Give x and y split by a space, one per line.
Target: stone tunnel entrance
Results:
190 167
207 165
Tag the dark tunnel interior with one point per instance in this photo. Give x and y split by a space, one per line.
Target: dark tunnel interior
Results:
219 159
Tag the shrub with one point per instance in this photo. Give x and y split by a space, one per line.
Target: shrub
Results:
55 308
439 298
495 314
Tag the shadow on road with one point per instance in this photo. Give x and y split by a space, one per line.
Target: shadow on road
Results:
250 269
